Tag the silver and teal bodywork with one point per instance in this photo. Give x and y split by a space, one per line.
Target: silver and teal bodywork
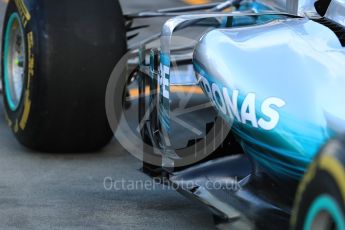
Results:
307 83
278 79
281 86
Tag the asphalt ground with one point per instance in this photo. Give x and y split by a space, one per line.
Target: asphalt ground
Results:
67 191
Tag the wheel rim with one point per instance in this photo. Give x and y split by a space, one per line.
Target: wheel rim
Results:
324 213
14 61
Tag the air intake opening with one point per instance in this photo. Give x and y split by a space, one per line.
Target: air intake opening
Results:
321 6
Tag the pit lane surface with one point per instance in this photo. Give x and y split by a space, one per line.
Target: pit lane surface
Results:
66 191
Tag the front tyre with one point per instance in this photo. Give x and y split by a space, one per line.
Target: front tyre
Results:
57 57
320 200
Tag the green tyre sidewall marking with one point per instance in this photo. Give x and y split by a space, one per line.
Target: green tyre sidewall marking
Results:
328 204
14 17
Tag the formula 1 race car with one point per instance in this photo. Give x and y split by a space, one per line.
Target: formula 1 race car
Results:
238 106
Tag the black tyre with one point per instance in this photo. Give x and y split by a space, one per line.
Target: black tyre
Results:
320 200
57 57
